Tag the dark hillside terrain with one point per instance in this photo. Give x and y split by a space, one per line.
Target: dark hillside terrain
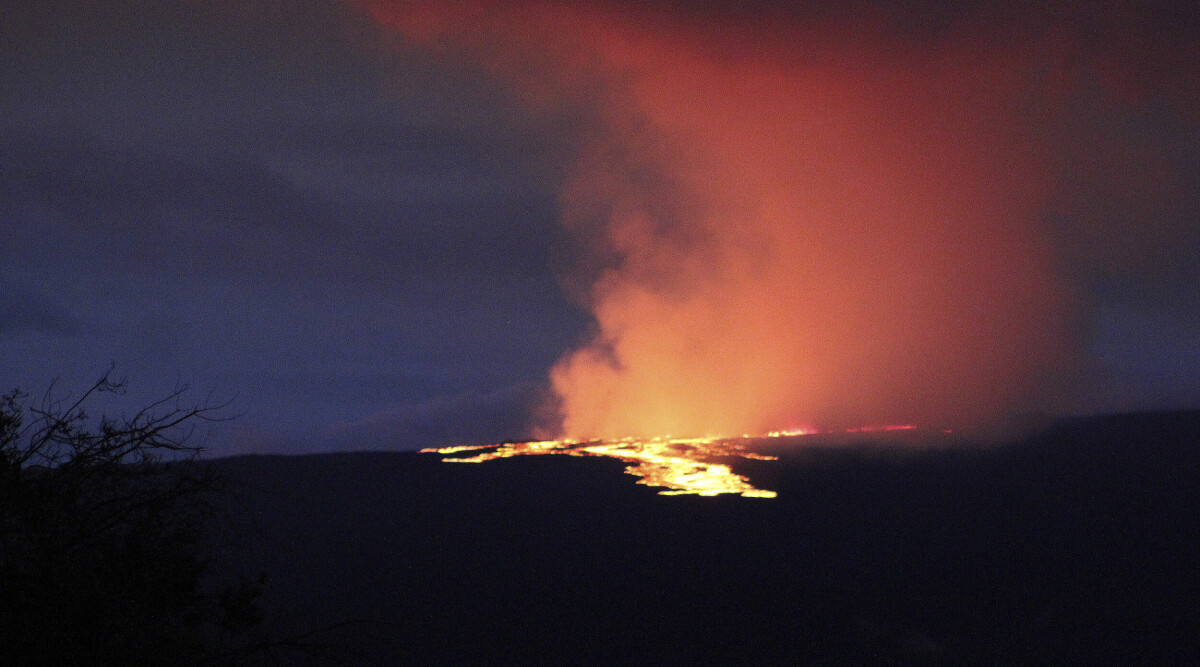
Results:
1078 544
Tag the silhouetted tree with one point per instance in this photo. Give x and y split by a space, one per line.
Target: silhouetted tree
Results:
102 529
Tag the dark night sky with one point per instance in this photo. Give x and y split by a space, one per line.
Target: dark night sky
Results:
284 204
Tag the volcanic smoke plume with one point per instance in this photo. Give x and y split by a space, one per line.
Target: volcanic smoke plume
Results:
783 221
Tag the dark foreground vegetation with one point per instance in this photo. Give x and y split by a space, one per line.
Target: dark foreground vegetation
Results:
1077 544
107 525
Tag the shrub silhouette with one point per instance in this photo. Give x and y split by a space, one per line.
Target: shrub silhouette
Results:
102 529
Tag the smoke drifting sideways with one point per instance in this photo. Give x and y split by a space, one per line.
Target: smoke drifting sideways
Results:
788 221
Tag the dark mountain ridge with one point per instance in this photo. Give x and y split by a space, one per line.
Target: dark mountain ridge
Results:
1076 543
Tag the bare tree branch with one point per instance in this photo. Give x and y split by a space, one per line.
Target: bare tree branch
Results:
102 532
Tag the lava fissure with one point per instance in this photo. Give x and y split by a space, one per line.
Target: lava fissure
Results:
679 465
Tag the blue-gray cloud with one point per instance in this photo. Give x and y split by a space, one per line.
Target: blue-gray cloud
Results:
258 198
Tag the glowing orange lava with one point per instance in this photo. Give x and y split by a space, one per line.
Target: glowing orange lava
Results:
679 465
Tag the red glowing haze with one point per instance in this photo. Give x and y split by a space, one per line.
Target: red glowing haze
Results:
787 223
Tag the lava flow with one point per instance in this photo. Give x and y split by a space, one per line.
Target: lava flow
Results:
679 465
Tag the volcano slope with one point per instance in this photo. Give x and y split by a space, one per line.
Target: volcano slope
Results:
1077 543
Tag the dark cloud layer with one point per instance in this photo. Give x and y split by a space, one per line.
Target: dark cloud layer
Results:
250 198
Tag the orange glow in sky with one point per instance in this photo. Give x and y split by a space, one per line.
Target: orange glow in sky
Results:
782 222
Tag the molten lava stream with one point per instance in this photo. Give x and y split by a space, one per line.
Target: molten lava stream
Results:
679 465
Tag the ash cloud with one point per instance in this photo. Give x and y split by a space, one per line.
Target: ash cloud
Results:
846 212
